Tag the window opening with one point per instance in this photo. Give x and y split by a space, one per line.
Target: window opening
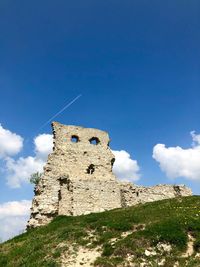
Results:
90 169
94 141
74 139
112 161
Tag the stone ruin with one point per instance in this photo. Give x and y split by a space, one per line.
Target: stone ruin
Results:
78 178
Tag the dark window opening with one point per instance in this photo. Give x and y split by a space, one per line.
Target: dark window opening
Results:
74 139
90 169
112 161
94 141
137 194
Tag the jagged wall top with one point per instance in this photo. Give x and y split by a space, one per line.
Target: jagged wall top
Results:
63 133
82 153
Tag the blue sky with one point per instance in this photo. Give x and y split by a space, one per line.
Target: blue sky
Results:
136 64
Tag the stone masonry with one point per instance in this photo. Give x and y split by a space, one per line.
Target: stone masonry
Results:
78 178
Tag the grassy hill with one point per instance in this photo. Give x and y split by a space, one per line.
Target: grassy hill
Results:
163 233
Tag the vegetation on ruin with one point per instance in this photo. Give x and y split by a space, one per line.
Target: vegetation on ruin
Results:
35 178
118 233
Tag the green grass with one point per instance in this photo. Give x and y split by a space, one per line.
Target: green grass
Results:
166 221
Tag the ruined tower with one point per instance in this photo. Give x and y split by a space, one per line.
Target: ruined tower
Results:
78 178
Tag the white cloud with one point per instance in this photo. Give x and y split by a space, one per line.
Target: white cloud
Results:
195 138
20 170
43 145
13 218
124 167
10 143
179 162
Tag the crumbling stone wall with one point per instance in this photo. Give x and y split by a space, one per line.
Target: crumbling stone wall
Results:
87 196
78 178
132 194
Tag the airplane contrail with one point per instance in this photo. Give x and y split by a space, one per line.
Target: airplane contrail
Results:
59 112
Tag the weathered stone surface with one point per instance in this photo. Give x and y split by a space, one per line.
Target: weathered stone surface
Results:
78 178
133 194
86 196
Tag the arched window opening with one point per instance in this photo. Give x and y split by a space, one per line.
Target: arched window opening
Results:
94 141
90 169
75 139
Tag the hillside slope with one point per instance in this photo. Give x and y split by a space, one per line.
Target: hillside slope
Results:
163 233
